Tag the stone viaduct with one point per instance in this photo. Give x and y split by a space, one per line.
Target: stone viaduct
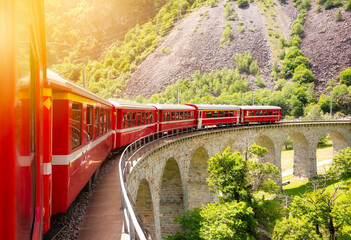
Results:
171 179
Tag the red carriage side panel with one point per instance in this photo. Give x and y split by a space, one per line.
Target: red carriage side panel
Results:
60 148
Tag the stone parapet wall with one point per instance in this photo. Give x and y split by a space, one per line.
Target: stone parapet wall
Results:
176 172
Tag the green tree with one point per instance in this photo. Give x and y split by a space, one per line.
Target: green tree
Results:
345 76
237 177
341 165
338 16
291 228
230 220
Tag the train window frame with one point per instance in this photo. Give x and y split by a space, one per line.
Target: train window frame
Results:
138 118
89 123
177 116
129 119
101 121
208 114
256 113
173 116
189 115
105 120
185 115
265 112
168 116
134 119
226 114
109 120
215 114
220 114
181 115
79 121
97 122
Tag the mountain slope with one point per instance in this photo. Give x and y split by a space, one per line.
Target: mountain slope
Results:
194 44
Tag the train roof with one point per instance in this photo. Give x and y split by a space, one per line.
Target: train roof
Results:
56 80
130 105
259 107
172 107
214 106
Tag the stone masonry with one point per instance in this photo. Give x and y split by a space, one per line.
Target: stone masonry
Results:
170 179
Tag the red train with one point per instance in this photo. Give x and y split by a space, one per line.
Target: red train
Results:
55 134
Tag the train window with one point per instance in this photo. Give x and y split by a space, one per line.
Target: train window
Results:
96 122
252 113
256 113
105 120
151 117
147 118
220 114
226 113
168 116
231 113
181 115
270 112
138 119
101 121
129 119
109 119
89 123
261 113
190 115
265 112
124 121
164 116
185 115
208 114
173 116
134 120
177 115
76 124
215 114
142 118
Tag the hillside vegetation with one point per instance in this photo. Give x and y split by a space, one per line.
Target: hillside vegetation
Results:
221 51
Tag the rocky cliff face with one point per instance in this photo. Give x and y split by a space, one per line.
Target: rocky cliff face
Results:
194 44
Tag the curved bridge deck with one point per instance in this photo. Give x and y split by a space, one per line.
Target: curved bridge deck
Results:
103 219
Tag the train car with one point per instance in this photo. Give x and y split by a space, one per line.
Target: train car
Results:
174 117
82 138
260 114
23 136
210 115
133 121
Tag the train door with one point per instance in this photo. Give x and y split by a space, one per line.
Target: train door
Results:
199 122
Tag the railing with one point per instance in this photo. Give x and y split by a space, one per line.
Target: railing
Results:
129 158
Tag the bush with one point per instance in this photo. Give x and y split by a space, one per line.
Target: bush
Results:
348 6
242 3
345 77
259 82
303 75
297 29
254 68
226 36
342 164
338 16
328 4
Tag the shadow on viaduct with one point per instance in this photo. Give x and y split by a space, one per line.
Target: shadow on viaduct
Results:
171 179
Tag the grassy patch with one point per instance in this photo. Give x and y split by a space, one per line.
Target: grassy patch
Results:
300 186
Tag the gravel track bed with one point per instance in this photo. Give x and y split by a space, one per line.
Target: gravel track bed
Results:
73 217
